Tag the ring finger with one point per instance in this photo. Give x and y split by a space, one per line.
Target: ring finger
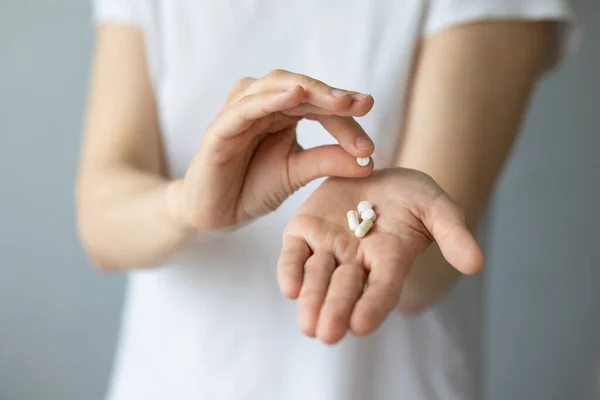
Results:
317 274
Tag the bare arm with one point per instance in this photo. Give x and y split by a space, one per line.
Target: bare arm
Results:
123 217
131 216
471 88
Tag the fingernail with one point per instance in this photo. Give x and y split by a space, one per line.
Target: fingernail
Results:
359 96
363 143
339 92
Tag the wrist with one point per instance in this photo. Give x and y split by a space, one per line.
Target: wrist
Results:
175 207
181 220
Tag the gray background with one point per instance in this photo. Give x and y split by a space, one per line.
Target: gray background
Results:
59 318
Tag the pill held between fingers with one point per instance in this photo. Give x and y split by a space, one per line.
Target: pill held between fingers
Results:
369 214
363 161
364 206
363 228
353 221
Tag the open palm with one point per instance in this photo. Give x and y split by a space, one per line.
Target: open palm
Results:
344 283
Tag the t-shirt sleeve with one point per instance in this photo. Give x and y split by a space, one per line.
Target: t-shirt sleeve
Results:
122 11
442 14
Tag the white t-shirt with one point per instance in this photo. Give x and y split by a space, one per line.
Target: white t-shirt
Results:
211 323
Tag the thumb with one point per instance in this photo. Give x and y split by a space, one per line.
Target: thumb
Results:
445 221
305 166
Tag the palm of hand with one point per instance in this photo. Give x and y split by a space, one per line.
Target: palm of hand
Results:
343 283
269 169
245 163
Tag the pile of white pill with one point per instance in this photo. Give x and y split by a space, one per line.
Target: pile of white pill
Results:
365 213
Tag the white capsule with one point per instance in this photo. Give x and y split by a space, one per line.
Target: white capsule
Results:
363 161
364 206
369 214
353 221
363 228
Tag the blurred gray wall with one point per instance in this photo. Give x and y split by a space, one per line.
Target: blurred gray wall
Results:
59 318
543 277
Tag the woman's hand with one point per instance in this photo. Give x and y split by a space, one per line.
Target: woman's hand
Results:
249 161
430 279
342 282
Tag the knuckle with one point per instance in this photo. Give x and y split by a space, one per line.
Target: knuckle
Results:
355 272
440 202
285 264
241 84
320 166
214 131
244 101
246 81
338 307
427 181
311 296
310 83
243 106
278 73
345 247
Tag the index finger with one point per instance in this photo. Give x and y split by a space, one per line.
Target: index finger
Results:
317 92
350 134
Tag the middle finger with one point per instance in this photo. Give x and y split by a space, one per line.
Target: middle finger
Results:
317 273
347 283
317 92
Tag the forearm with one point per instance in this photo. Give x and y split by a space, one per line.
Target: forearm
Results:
123 215
471 89
124 219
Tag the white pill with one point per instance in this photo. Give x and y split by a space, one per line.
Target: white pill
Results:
363 228
364 206
363 161
353 221
369 214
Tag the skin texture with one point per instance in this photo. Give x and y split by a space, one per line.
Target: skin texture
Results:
131 216
249 159
470 90
326 267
